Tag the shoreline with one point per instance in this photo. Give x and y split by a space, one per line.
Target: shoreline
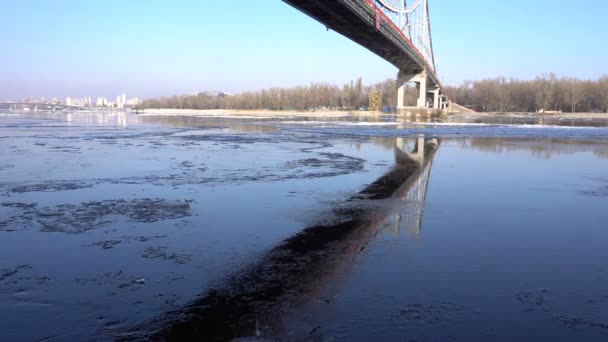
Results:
582 115
256 113
342 113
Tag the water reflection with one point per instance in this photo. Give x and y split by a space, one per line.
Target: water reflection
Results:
87 119
541 148
129 119
195 118
410 219
414 191
251 126
298 267
498 243
529 119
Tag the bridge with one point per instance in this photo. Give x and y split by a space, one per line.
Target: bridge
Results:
399 31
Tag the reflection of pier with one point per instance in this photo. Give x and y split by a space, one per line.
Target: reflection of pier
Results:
303 262
410 154
404 154
415 196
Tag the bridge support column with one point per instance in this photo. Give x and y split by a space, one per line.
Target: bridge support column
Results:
436 98
420 80
422 92
401 96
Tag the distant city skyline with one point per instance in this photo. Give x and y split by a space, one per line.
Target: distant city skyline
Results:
75 48
87 101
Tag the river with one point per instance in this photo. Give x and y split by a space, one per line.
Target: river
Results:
117 226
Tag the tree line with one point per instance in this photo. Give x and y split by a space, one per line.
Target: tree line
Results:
546 92
350 96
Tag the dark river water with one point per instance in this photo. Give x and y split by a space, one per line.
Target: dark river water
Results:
123 227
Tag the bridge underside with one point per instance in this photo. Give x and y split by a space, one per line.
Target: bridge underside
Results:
364 24
347 16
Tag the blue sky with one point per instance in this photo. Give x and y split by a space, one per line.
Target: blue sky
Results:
152 48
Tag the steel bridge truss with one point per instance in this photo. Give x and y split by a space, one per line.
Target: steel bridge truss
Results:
412 19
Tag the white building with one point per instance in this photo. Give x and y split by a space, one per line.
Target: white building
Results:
73 101
119 103
102 102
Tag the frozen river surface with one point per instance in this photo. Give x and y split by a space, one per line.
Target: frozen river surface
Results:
118 227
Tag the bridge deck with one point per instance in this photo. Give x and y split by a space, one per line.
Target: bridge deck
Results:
357 20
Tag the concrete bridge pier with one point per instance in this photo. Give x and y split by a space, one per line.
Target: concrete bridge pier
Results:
436 97
444 104
421 84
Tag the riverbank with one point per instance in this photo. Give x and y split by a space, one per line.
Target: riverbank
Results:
603 116
242 113
255 113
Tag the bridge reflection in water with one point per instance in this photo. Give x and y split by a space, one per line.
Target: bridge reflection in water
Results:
415 196
253 301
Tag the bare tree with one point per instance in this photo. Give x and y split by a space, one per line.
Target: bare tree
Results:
546 92
545 86
574 92
603 86
503 94
466 91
